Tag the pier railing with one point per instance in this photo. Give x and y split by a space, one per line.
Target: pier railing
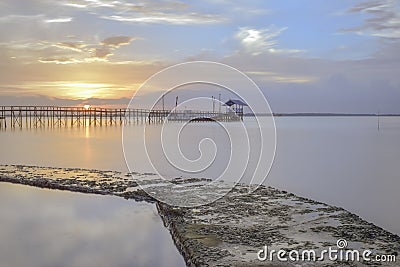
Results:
52 116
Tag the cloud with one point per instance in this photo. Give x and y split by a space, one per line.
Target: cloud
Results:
160 12
102 52
68 89
169 18
117 41
77 47
157 6
20 18
281 78
59 20
383 18
87 52
34 18
110 44
302 84
239 9
258 41
90 3
60 60
39 26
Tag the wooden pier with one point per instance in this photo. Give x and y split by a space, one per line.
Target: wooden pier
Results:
52 116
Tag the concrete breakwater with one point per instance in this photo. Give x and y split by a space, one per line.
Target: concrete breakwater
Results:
232 230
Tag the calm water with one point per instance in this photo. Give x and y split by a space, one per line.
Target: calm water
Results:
45 228
343 161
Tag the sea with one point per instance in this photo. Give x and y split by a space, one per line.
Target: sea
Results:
346 161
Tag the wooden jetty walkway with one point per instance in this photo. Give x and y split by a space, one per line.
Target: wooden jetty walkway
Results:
52 116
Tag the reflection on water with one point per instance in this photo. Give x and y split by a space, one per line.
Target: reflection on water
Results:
43 228
343 161
84 147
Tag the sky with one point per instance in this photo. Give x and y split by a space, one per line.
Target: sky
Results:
305 55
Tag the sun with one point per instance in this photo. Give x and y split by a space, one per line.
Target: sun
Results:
86 107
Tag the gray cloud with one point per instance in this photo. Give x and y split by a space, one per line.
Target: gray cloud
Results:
383 18
110 44
117 41
151 6
102 52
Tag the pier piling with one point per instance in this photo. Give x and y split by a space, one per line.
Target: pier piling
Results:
52 116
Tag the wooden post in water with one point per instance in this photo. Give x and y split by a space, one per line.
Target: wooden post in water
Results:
379 124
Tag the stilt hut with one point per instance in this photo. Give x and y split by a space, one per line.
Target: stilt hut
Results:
236 106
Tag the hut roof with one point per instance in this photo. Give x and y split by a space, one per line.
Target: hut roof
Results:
232 102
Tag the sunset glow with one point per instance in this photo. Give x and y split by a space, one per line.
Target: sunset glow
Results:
88 90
